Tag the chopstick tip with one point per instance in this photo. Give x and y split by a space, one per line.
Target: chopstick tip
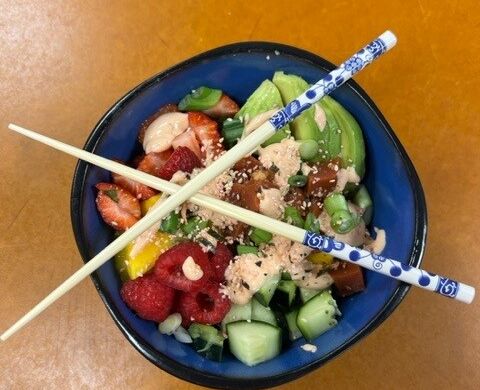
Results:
389 38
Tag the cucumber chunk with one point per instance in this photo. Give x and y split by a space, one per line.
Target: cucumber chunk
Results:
293 331
237 313
262 313
307 293
207 341
265 294
264 98
317 315
285 293
290 87
254 342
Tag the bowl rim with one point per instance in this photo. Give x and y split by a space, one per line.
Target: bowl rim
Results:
183 371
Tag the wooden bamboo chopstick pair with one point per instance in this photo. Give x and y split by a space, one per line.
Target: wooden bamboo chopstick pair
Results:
365 56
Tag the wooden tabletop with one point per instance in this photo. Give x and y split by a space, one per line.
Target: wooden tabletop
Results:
63 63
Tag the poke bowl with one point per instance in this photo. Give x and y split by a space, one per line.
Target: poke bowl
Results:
387 176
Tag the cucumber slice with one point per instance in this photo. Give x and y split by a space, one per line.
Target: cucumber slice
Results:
237 313
353 147
254 342
307 293
265 294
207 341
290 87
262 313
285 293
317 315
264 98
293 331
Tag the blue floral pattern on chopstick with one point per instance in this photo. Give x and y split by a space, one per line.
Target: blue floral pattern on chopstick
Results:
330 82
383 265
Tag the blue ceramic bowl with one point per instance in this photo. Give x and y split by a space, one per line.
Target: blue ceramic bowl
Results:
391 179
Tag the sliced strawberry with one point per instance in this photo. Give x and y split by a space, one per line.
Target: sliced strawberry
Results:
139 190
168 268
189 140
149 298
118 207
153 162
182 159
162 110
206 131
220 261
225 108
207 306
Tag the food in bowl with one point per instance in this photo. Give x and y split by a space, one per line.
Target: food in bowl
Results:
206 278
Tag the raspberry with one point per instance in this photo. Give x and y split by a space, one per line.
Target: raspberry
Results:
220 261
168 268
207 306
149 298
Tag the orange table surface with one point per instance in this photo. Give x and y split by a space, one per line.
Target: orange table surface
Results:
64 63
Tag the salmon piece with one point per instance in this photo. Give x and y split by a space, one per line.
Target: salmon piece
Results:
316 206
296 197
347 278
206 131
162 110
246 194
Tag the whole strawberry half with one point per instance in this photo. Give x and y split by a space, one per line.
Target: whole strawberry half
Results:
118 207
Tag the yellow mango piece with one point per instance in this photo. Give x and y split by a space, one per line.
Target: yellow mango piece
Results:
132 267
320 258
147 204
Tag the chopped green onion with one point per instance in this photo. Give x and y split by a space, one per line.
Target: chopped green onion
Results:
170 223
363 200
170 324
344 221
297 180
260 236
112 194
232 130
335 202
311 223
202 98
245 249
293 216
194 225
308 149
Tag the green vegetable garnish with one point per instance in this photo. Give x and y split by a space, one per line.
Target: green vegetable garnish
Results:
362 199
342 219
297 180
232 130
260 236
308 149
293 216
170 223
245 249
311 223
200 99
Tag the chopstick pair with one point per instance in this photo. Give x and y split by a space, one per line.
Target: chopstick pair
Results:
326 85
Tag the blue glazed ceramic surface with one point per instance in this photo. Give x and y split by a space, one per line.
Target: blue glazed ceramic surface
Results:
391 179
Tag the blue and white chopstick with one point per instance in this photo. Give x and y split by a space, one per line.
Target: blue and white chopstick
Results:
380 264
333 80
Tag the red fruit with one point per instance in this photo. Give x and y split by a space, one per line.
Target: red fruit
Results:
118 207
189 140
182 159
153 162
162 110
207 306
220 261
139 190
206 131
149 298
225 108
168 268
